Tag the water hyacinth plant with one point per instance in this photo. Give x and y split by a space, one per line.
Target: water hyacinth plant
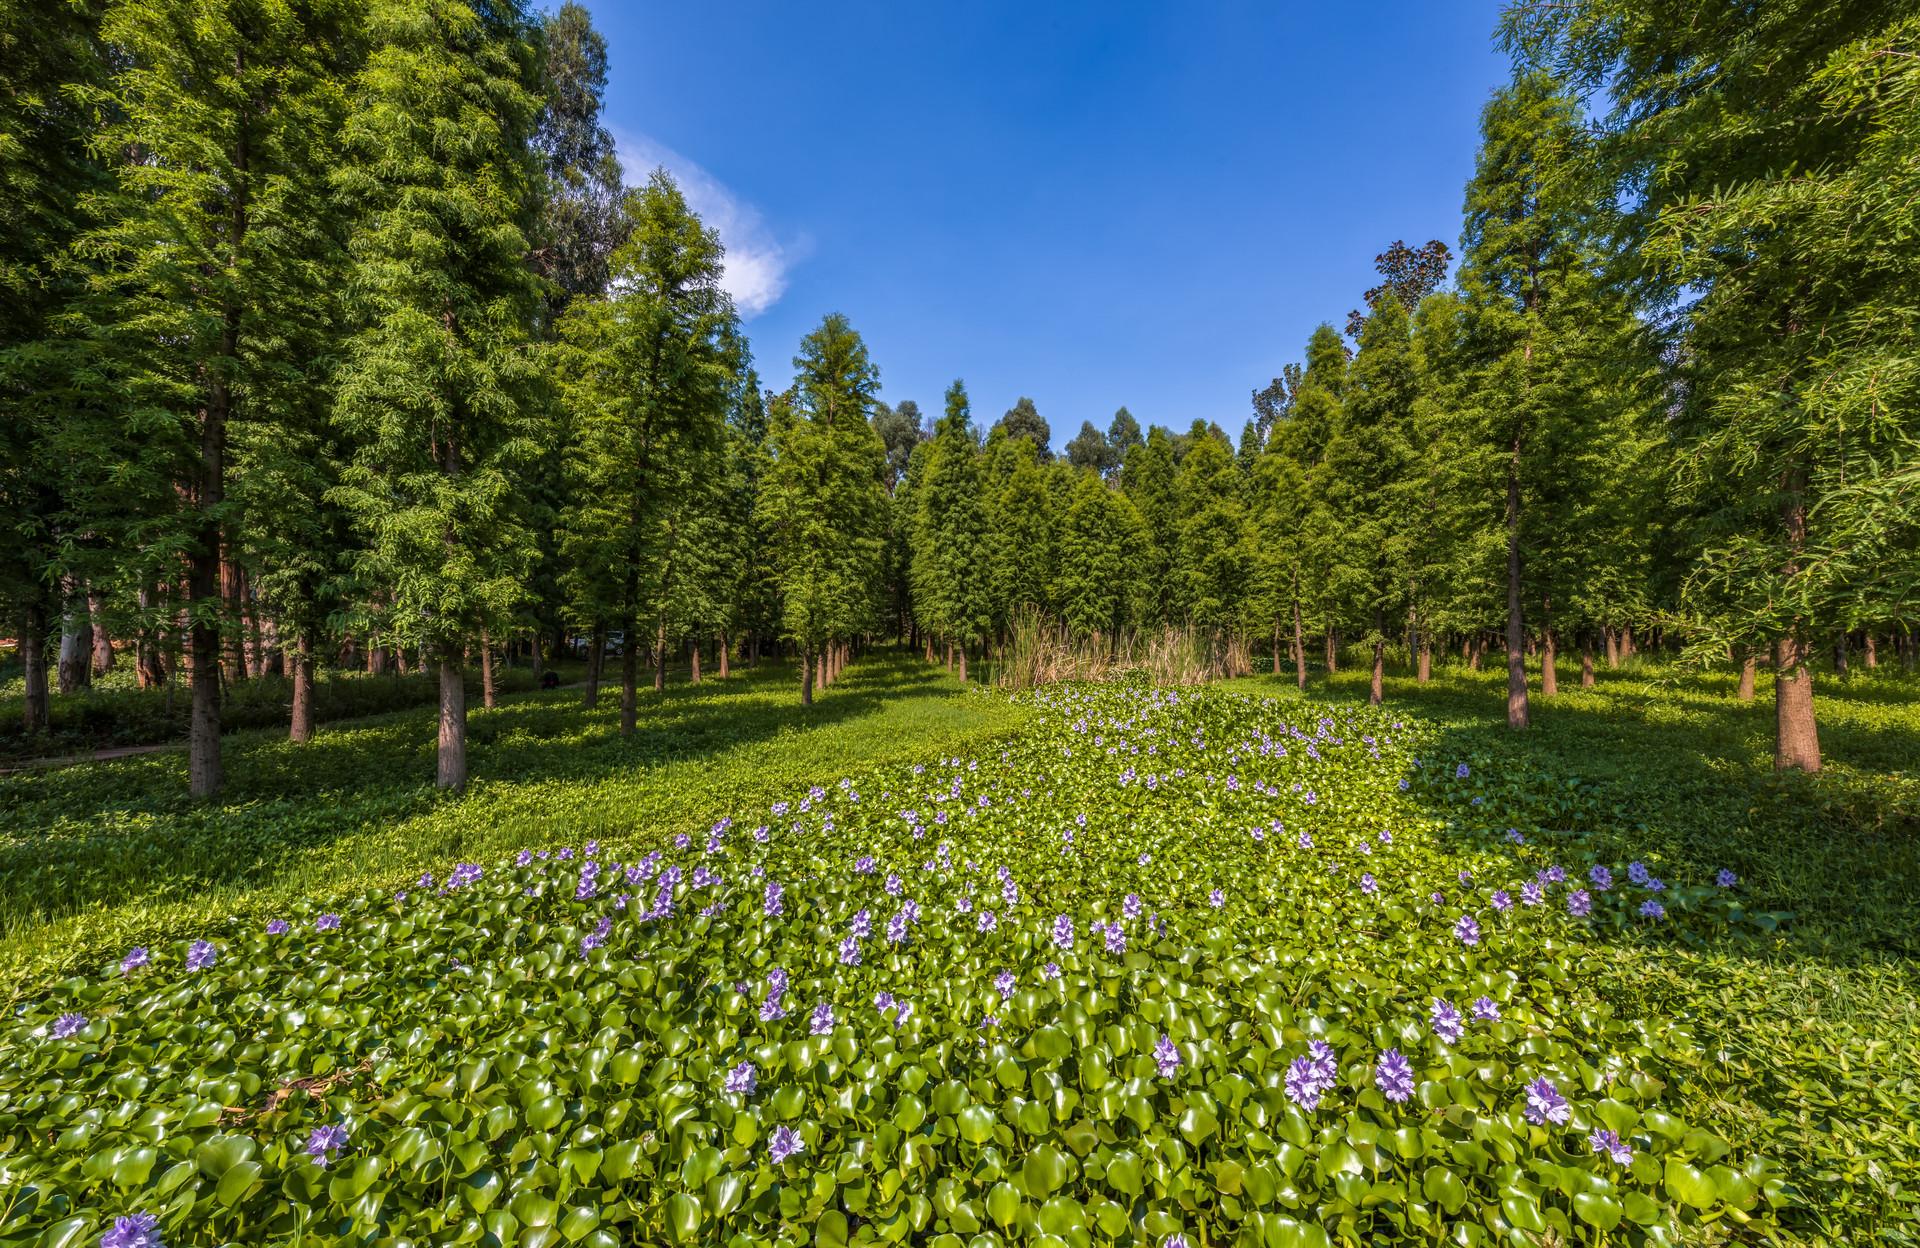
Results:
515 1045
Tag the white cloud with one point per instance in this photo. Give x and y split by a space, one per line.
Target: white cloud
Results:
757 262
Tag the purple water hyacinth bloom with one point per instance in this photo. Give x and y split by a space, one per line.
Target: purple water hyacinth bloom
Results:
743 1079
1446 1020
1513 834
1579 903
786 1142
849 952
1393 1074
911 909
1651 909
1062 932
1130 906
426 880
1010 894
1637 873
1145 859
897 928
1174 1241
326 923
324 1142
771 1010
774 905
1502 899
902 1011
201 954
1116 939
1305 840
67 1025
821 1024
1050 972
1217 898
1404 786
1303 1084
1553 875
1368 884
1601 879
964 905
1467 930
1003 982
1611 1145
987 922
1166 1056
566 853
1461 772
137 957
1531 894
862 924
139 1230
1486 1010
1386 837
893 885
523 858
1655 884
1726 878
863 865
1545 1104
1439 899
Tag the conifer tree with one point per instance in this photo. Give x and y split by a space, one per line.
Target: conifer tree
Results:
1099 540
951 570
437 382
1147 479
1212 555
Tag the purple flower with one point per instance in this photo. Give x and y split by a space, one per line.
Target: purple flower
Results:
137 958
1130 907
1502 899
1637 872
821 1024
1579 903
987 922
1004 982
1050 972
1545 1104
139 1230
850 952
774 905
1486 1010
785 1143
1393 1073
1446 1020
1726 878
893 885
1530 894
68 1025
1217 898
897 927
862 924
1651 909
324 1142
1305 840
1062 932
326 923
1368 884
1461 772
1601 878
1467 930
1303 1083
201 954
1552 875
742 1080
1117 939
1166 1056
1610 1143
1513 834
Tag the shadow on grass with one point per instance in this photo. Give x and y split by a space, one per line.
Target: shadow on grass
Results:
102 834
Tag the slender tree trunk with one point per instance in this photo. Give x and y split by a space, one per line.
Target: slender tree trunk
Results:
233 625
452 761
1333 652
1586 660
1276 647
723 645
103 644
1476 652
1869 654
33 662
300 727
1299 637
629 677
1613 649
660 657
1839 656
1907 648
1549 678
1626 643
203 629
1376 688
1796 732
487 698
1748 666
1518 714
949 656
963 663
539 659
596 660
693 670
76 651
806 675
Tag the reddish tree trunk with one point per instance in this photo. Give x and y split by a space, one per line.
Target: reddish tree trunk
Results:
806 675
660 657
1376 687
1518 713
1333 652
487 694
1613 649
1423 665
1276 647
1586 662
1299 638
1549 678
1868 653
723 645
1748 665
33 661
629 678
693 670
1796 732
963 664
103 644
300 728
451 759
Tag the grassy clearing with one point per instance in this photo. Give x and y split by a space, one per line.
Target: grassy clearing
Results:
95 857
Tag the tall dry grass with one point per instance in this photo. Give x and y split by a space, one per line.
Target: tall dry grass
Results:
1041 651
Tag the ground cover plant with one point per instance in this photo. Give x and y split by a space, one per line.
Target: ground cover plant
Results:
1127 965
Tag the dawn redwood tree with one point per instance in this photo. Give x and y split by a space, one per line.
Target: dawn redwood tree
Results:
1211 555
1785 252
1020 521
1147 479
437 382
951 573
222 119
646 372
1099 536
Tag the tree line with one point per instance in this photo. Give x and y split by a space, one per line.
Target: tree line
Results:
337 337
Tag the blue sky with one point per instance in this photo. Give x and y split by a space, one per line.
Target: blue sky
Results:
1090 204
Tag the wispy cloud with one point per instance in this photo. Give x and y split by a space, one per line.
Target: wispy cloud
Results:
757 262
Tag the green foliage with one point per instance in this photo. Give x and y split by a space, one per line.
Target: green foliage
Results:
952 591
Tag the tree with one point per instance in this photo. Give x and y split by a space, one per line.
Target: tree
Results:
1090 449
899 431
1023 420
1782 251
1211 552
1099 535
1020 521
647 371
582 219
437 380
1123 434
1411 275
1147 479
951 575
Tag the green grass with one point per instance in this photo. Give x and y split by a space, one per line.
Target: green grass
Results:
95 857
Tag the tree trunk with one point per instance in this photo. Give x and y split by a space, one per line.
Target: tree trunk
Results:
487 698
1626 643
1549 678
963 664
949 656
596 660
1748 666
629 678
1276 647
203 628
1586 661
33 661
1839 659
693 671
1423 665
1376 688
539 659
1518 714
451 772
1796 733
806 675
722 645
1333 652
103 645
660 657
1613 649
300 728
1476 651
1870 655
1907 648
232 623
1299 637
